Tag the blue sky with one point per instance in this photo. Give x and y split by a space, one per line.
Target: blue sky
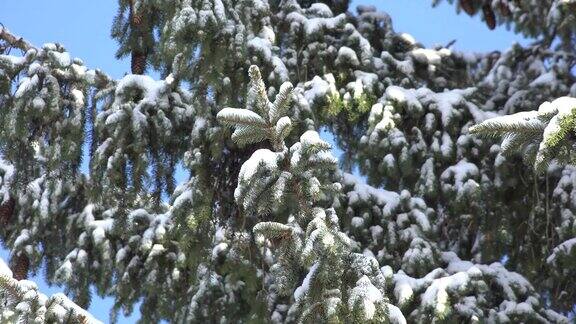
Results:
83 27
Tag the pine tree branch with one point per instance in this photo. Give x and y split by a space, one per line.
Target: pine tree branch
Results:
13 40
102 79
28 301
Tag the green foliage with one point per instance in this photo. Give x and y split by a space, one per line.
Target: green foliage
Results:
542 136
323 248
265 227
261 119
352 109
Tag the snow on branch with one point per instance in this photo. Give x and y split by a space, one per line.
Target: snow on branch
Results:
23 303
542 136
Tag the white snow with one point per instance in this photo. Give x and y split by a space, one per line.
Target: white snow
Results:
261 157
408 38
436 296
460 173
320 9
262 46
368 295
268 34
421 219
29 300
404 96
12 61
565 104
6 180
357 222
62 59
426 56
564 248
241 116
22 239
100 228
386 122
405 286
316 89
564 107
26 85
366 193
347 55
78 98
314 26
310 138
524 119
546 79
447 102
153 92
395 314
450 103
301 291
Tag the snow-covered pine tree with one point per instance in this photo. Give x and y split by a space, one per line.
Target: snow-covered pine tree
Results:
339 285
444 225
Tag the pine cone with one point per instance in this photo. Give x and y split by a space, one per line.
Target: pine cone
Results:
20 266
136 20
504 8
489 16
138 62
468 7
6 211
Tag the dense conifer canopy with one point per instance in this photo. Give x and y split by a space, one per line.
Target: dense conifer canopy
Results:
462 208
